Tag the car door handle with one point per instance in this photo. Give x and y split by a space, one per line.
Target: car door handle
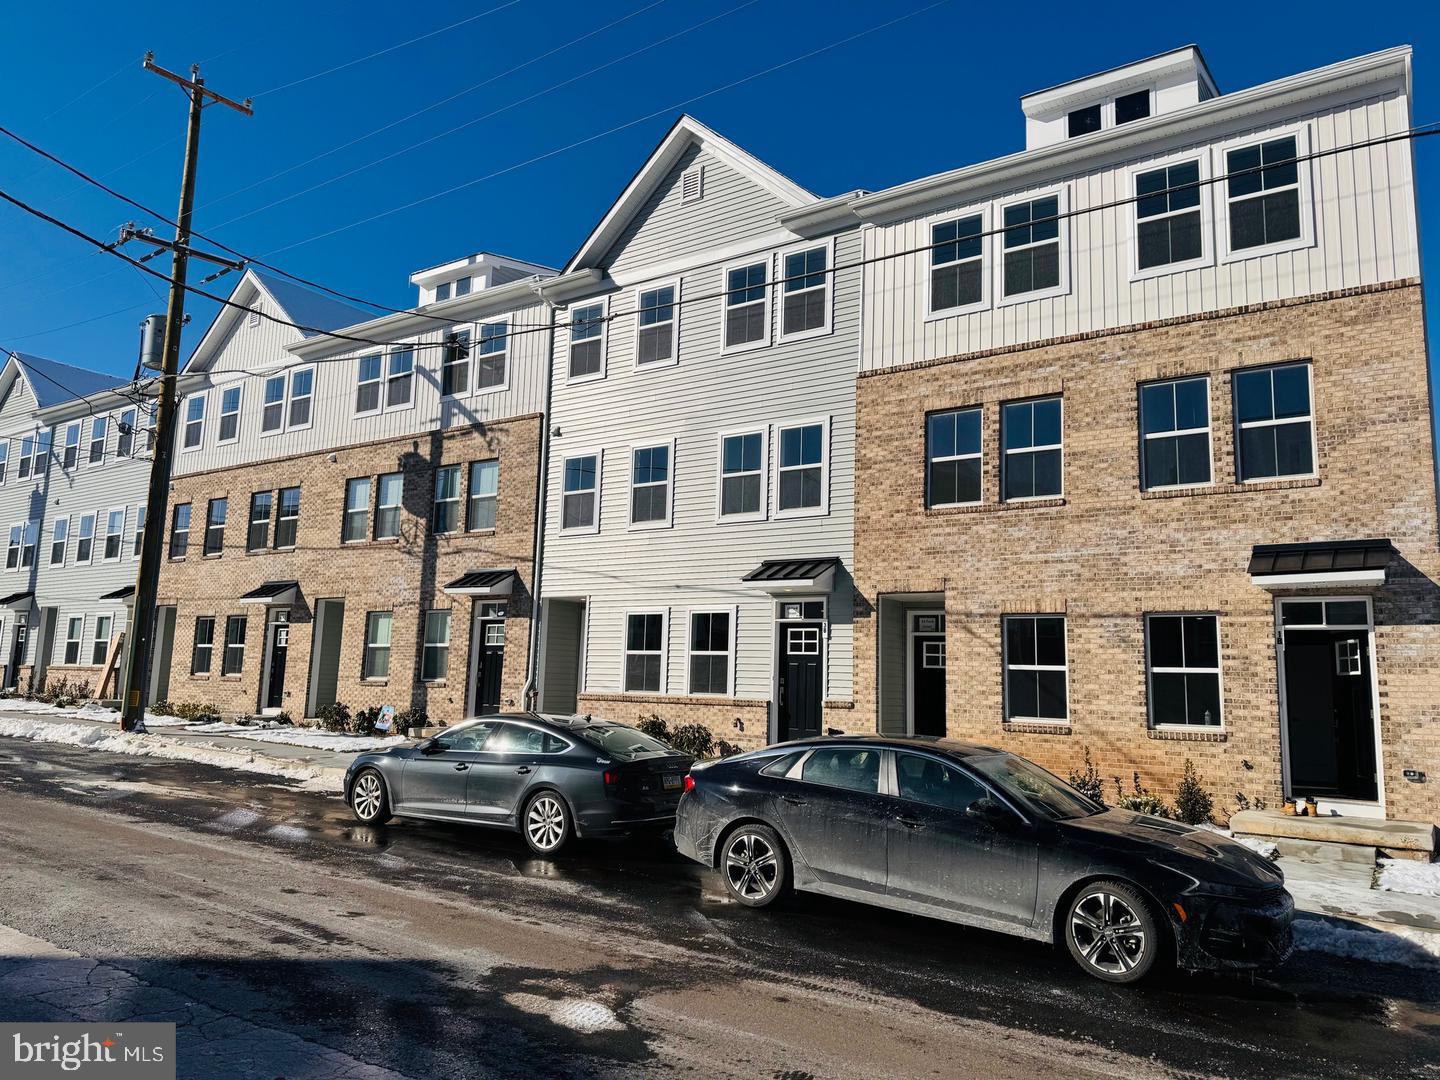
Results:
793 800
523 769
461 766
911 823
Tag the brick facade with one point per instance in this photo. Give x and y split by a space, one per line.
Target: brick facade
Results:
1107 553
405 576
745 722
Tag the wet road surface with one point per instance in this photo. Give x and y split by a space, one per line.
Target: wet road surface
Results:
287 940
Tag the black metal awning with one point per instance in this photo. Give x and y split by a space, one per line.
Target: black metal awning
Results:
273 592
120 596
1327 562
794 575
482 583
17 600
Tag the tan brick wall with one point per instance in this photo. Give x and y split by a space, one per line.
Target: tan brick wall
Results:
1107 553
744 722
404 576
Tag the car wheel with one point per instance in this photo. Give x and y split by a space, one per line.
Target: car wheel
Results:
546 823
1112 932
754 865
369 800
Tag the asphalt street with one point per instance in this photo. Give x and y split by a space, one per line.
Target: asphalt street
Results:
288 941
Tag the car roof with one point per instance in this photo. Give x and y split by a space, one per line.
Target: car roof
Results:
951 747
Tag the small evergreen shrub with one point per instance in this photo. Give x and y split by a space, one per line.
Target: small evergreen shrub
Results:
725 749
197 712
1193 804
161 708
334 717
1140 799
1086 780
655 727
694 739
364 720
411 717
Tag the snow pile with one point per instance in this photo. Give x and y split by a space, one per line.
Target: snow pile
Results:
313 738
1400 945
1402 875
88 711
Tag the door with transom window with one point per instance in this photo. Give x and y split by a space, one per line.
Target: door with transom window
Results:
487 668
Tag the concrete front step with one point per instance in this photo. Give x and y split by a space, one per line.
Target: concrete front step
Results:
1393 839
1326 852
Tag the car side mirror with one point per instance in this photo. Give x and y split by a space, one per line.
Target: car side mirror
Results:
431 745
990 812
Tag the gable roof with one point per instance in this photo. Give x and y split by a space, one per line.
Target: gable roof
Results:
54 383
686 132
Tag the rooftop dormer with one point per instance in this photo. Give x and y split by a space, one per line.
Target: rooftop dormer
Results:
472 274
1122 95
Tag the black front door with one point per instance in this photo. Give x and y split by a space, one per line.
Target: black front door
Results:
279 647
1330 722
489 666
927 683
801 664
17 655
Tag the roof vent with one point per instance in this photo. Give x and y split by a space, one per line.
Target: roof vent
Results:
692 184
254 317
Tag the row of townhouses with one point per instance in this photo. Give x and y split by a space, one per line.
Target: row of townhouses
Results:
1119 444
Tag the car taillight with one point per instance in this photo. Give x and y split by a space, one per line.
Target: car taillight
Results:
689 782
611 777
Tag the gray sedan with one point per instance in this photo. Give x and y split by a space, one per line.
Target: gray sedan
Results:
549 778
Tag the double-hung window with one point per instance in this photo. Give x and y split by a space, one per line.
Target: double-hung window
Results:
202 650
446 517
27 448
1183 665
101 643
805 297
59 540
1263 193
357 510
455 367
587 341
1033 460
747 305
272 410
41 462
1175 433
1169 230
953 458
484 495
957 272
710 649
389 489
1274 422
1035 668
125 439
139 542
644 652
115 533
229 430
742 476
71 456
302 397
650 478
400 379
12 549
257 536
802 468
215 515
85 540
287 520
367 385
4 458
1032 246
29 536
655 325
74 633
194 421
179 531
233 662
99 427
435 654
580 498
491 363
376 662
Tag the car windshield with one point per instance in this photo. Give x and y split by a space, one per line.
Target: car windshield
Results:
621 741
1033 786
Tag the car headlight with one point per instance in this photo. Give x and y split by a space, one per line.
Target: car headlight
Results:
1227 892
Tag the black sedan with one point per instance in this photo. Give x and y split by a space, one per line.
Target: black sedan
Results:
982 837
550 778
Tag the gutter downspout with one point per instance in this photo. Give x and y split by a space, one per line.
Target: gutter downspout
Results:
530 695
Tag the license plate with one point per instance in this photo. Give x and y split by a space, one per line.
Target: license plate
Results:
672 781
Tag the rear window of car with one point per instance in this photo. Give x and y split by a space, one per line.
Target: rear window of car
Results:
621 741
783 764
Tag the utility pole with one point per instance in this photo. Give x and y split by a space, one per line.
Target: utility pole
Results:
142 629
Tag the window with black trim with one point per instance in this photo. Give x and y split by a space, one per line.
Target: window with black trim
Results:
1274 422
1033 464
287 520
233 662
1175 433
214 528
644 652
203 650
1183 668
1036 672
953 458
257 536
179 530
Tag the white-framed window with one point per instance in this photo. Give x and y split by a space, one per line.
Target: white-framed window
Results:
484 495
28 538
257 532
953 457
1267 194
657 324
125 437
179 530
389 492
233 662
747 306
376 662
356 525
99 429
455 364
442 292
27 449
74 635
711 652
462 286
1036 672
1182 667
644 661
1274 422
1035 260
580 492
1171 222
115 533
367 385
71 456
4 458
59 540
957 280
194 433
139 541
802 484
740 494
652 477
400 379
12 548
203 648
1033 463
100 644
435 653
805 292
446 515
1175 433
587 341
302 397
492 369
85 540
228 429
39 462
272 408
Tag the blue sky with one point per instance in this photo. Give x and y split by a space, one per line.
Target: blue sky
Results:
924 94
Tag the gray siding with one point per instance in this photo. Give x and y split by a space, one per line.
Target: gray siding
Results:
562 648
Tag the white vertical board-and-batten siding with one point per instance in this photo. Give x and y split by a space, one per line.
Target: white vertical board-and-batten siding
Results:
1363 228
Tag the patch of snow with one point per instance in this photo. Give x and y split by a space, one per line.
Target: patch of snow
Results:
313 738
88 711
1400 945
234 820
1264 848
1405 876
577 1014
292 833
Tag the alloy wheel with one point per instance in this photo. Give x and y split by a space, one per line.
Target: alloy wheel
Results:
1108 934
751 867
367 796
545 823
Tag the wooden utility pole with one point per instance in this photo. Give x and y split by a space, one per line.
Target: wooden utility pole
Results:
142 630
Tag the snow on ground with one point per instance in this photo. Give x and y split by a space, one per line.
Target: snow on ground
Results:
1405 876
1400 945
293 736
88 711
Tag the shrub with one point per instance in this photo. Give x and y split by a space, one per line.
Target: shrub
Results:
334 717
197 712
655 727
162 708
725 749
1193 804
364 720
1087 780
284 719
1140 799
694 739
414 716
